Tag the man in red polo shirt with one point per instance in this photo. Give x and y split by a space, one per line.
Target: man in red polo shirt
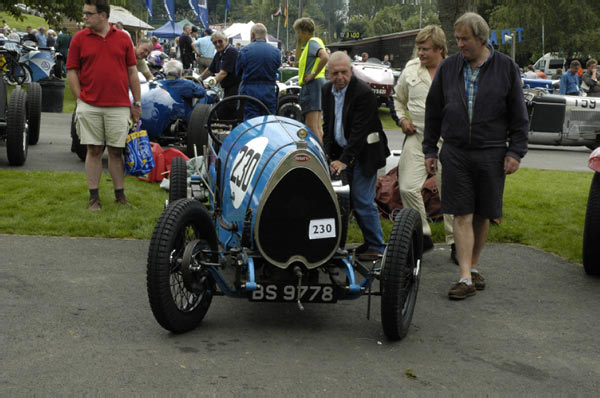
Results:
101 67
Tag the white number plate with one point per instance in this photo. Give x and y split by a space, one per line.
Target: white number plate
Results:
288 293
321 229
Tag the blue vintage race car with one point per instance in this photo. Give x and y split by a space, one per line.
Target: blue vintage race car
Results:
267 223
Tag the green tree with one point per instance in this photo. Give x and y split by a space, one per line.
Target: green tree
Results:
54 10
568 26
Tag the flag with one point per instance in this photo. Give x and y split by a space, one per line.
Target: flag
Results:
227 6
148 6
200 10
277 13
285 14
170 7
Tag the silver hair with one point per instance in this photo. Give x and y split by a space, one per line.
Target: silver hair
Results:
340 56
476 23
144 41
259 30
173 68
219 35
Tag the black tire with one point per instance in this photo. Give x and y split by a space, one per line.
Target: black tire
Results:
289 106
591 230
17 140
591 147
34 112
76 146
400 274
197 134
178 180
175 307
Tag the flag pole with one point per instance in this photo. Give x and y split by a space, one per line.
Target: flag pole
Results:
225 24
278 20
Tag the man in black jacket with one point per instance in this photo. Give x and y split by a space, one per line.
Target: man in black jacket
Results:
476 104
354 140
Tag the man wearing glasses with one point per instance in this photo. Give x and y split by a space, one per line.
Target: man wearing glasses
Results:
101 67
223 65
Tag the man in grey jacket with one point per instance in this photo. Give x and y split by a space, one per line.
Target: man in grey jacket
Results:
476 105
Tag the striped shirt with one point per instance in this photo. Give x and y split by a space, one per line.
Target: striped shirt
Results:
471 77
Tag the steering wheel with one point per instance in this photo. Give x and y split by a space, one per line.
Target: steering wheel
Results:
229 124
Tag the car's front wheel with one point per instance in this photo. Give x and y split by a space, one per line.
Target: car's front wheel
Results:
400 274
180 289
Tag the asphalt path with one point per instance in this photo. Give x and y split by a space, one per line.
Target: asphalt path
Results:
76 321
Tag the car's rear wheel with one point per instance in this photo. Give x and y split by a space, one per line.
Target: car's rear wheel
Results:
178 180
400 274
17 140
76 146
591 230
289 106
197 134
180 289
34 112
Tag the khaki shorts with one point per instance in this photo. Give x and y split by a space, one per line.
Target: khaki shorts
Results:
100 125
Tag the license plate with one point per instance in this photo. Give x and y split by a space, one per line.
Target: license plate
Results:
321 229
288 293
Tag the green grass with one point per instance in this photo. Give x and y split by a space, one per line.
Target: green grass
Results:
28 20
55 204
542 208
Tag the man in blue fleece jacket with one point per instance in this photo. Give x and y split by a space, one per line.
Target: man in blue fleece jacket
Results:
476 105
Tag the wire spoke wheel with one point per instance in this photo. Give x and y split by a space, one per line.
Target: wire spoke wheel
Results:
179 289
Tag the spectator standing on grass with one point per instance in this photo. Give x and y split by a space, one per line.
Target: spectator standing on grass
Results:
257 67
410 96
569 81
30 35
63 42
355 141
530 73
311 73
41 37
476 105
186 51
100 80
51 41
205 49
223 65
590 78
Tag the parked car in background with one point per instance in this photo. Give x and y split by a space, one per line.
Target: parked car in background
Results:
562 119
378 76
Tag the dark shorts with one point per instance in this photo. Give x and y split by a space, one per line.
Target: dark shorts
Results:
473 181
310 95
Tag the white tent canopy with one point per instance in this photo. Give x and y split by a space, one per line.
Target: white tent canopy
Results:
119 14
240 33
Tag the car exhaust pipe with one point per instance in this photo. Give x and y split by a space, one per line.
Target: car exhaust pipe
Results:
340 188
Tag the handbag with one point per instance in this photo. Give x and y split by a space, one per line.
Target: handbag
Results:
138 152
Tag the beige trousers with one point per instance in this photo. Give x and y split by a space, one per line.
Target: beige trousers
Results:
412 176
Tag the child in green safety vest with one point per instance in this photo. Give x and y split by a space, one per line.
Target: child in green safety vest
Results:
311 56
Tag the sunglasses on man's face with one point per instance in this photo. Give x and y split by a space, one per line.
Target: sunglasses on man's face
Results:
217 41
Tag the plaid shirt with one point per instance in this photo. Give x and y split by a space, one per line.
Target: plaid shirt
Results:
472 82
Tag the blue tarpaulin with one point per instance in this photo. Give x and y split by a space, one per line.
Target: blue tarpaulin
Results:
170 30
